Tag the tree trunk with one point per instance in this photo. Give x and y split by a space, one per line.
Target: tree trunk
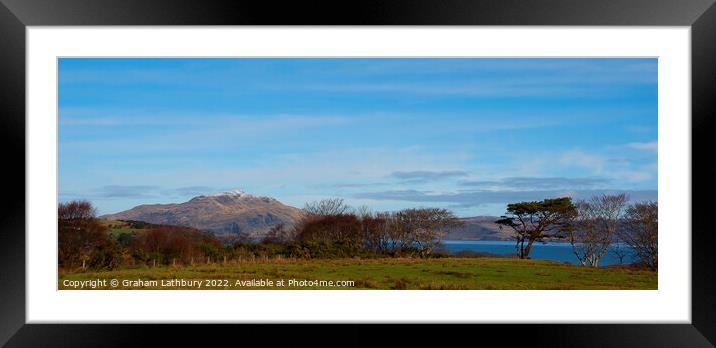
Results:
526 253
521 248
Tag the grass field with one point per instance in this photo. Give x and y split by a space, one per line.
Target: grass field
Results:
116 227
387 273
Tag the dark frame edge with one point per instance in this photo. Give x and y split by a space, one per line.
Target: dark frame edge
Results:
15 332
12 133
703 104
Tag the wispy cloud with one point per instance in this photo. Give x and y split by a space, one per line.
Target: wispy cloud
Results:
652 146
127 191
482 197
486 89
190 191
587 83
537 183
358 185
639 129
143 192
114 118
637 169
427 176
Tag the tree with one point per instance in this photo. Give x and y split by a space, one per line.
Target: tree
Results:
375 230
326 207
278 234
76 211
165 244
641 232
620 252
330 228
423 228
595 226
535 221
79 235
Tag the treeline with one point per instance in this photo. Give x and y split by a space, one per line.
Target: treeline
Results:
331 221
591 227
84 242
332 229
329 229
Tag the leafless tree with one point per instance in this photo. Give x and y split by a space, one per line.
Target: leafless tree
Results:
594 227
620 252
76 210
278 234
641 232
363 211
326 207
423 227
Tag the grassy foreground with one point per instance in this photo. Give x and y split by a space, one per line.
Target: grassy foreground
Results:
387 273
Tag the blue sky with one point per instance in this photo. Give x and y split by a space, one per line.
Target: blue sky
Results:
467 134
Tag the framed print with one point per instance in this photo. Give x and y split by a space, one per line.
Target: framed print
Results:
464 163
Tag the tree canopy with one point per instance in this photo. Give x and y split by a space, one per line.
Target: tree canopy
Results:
536 220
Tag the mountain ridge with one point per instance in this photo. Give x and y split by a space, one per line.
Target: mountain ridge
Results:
240 213
480 227
234 212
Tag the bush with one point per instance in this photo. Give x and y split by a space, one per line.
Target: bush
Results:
308 249
107 257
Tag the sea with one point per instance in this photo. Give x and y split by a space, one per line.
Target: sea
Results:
553 251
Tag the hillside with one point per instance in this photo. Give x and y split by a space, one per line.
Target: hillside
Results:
479 228
226 212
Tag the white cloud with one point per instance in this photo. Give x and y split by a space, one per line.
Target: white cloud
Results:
650 146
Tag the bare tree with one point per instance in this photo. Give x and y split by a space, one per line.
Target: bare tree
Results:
327 207
620 252
594 227
424 227
76 210
278 234
363 211
641 232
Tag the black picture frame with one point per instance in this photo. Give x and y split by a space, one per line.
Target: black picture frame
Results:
16 15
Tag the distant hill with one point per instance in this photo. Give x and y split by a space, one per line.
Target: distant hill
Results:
234 212
479 228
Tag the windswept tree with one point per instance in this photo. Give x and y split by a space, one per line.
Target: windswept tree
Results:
595 226
641 232
535 221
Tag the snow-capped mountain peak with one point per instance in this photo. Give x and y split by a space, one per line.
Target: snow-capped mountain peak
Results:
223 212
232 193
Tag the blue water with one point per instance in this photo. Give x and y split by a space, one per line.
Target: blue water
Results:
561 252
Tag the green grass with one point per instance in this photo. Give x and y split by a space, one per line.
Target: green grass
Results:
116 227
390 273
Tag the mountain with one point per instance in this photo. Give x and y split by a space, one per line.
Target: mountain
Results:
224 212
479 228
